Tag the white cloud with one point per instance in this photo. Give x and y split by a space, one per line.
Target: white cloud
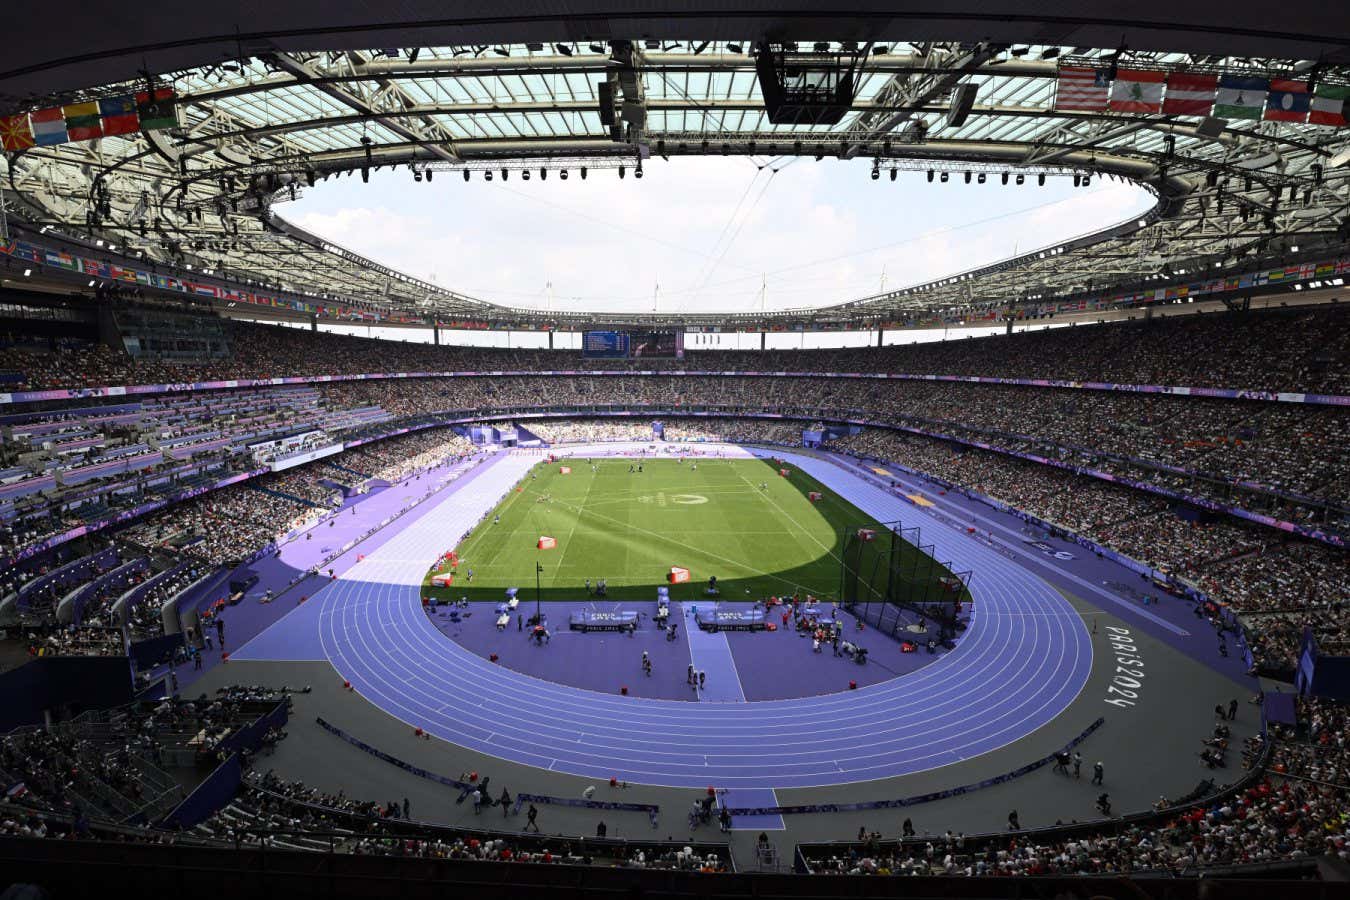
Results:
707 231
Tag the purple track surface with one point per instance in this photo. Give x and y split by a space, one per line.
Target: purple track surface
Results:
1025 657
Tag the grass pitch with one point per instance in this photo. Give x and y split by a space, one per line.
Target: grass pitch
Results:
738 520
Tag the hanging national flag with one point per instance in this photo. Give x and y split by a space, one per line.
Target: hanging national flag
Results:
1241 97
1287 101
1137 91
1329 106
1190 95
157 112
15 133
1082 88
49 126
119 115
82 121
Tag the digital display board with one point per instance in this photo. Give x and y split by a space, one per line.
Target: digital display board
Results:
604 345
656 344
632 345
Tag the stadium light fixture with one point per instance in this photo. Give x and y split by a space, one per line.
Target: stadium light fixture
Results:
980 178
893 173
930 175
943 178
564 49
466 174
637 173
524 174
487 175
563 174
967 176
583 173
622 170
1040 180
543 174
27 273
1004 178
733 47
1021 179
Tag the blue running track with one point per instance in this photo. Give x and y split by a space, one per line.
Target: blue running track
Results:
1025 657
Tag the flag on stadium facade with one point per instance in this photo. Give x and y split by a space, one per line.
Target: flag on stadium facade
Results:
1330 103
119 115
1241 97
1287 101
49 126
1082 88
1189 94
157 112
82 121
15 133
1137 91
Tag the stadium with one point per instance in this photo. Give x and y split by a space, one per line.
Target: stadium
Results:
756 448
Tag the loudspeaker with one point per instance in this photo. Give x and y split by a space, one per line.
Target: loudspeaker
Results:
605 91
963 98
1211 127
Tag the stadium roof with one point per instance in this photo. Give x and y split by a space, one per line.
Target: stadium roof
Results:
260 120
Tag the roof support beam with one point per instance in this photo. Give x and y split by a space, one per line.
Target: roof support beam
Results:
437 145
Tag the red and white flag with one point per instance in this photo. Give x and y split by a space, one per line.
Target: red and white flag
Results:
1190 94
1137 91
1082 88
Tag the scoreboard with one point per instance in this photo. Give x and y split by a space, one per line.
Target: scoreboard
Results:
632 344
605 345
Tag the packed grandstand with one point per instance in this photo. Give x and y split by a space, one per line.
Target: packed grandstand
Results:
215 504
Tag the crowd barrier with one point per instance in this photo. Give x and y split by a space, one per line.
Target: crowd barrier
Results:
465 788
921 798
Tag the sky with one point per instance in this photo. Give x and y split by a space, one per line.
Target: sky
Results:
713 234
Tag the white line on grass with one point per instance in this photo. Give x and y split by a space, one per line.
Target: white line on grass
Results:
690 547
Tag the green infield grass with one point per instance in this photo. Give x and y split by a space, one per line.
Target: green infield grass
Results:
739 520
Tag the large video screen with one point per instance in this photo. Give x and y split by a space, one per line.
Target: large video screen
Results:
632 345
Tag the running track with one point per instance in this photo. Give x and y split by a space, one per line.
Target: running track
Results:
1025 657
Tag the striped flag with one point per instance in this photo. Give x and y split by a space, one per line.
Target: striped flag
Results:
1137 91
49 126
1287 101
1329 106
15 133
1190 95
82 121
119 115
157 112
1241 97
1082 88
